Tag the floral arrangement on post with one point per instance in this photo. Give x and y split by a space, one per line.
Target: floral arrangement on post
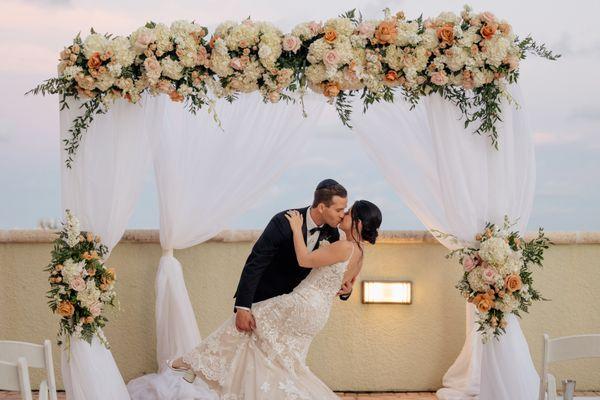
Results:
468 58
81 286
498 278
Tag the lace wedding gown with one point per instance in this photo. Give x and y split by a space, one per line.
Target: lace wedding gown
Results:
270 363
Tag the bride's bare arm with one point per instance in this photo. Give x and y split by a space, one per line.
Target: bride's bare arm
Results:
327 255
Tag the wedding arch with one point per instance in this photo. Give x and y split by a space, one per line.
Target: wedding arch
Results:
442 117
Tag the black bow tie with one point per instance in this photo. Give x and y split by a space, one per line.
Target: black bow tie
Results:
315 229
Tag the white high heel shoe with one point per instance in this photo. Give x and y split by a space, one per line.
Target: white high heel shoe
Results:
187 374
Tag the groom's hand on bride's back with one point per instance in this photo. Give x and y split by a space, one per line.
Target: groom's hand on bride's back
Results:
244 321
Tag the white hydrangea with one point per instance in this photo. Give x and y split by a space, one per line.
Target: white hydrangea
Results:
171 68
342 26
447 17
115 69
316 51
508 304
95 43
408 33
304 31
71 269
495 250
469 37
123 54
105 82
71 71
89 295
496 50
163 38
219 60
459 57
476 281
429 39
183 28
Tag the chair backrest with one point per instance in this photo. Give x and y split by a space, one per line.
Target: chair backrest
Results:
15 376
37 356
572 347
565 348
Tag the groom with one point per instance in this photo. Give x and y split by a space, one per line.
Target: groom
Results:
272 268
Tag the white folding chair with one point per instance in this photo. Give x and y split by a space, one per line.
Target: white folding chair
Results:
37 356
561 349
15 376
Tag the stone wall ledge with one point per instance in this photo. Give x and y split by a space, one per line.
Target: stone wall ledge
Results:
230 236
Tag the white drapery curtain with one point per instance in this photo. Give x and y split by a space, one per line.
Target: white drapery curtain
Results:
206 176
101 190
455 182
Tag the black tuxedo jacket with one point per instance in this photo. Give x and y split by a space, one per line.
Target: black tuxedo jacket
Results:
272 268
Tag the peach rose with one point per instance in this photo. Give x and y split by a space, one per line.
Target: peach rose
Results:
58 267
513 283
446 34
386 32
291 43
513 63
91 271
488 31
391 76
274 97
330 36
331 89
97 239
483 302
164 86
503 323
439 78
75 48
505 28
94 61
89 320
65 309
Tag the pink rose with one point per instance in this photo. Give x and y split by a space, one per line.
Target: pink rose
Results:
331 58
366 29
439 78
153 68
291 43
95 308
202 55
468 264
236 64
78 284
315 27
488 17
143 40
489 275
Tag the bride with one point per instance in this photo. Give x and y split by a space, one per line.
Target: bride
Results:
270 362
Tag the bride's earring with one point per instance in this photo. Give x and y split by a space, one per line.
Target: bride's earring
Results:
187 374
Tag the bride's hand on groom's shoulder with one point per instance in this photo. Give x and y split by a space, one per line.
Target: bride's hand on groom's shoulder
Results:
295 219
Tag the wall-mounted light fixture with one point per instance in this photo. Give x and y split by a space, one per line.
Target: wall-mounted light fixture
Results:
383 292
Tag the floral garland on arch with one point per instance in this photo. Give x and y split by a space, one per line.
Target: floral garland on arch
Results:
497 276
81 286
467 58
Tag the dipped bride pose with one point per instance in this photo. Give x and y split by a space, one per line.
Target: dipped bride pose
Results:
269 362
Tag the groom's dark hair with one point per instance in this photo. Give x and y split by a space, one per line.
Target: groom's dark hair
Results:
326 190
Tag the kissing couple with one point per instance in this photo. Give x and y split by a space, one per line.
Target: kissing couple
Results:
302 261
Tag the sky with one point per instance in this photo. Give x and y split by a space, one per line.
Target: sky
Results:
562 100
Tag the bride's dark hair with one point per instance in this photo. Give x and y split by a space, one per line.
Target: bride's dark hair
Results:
370 216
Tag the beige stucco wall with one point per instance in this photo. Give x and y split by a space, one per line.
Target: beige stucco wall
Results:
363 347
